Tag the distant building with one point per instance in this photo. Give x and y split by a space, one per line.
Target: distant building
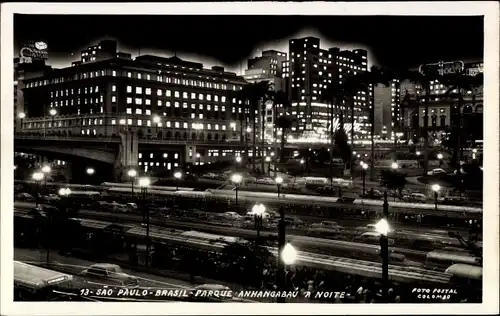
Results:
309 72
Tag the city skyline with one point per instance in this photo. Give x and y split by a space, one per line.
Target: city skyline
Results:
232 51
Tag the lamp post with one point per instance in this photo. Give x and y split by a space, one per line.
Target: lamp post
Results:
21 116
156 120
258 211
236 179
144 184
132 174
364 166
440 157
53 113
436 188
177 176
394 166
46 171
288 255
382 227
37 177
268 160
279 182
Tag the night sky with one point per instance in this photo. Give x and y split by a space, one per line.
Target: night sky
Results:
399 41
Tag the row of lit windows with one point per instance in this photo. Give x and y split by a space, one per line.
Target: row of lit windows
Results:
168 124
165 155
158 78
85 101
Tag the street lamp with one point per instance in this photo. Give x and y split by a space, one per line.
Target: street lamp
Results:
238 159
156 120
440 157
289 256
418 153
177 176
37 176
236 179
258 211
279 181
46 170
383 228
21 116
53 113
436 188
268 159
364 166
198 156
132 174
394 165
144 184
90 171
64 192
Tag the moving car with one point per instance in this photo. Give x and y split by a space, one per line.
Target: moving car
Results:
435 172
100 274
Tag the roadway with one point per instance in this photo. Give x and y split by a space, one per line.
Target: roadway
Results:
352 227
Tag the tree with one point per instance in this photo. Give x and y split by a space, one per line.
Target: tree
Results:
249 259
255 94
458 84
393 180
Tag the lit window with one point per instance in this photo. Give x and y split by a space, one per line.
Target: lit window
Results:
138 90
129 110
159 92
148 91
113 88
139 76
139 122
209 97
200 96
167 104
193 95
185 125
129 100
138 101
223 99
138 111
148 112
148 77
176 124
176 94
129 121
168 124
113 73
148 122
129 89
148 102
151 155
176 104
200 116
159 103
113 122
216 98
169 93
193 115
129 74
184 95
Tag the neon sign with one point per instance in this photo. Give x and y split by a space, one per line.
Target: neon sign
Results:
37 50
443 68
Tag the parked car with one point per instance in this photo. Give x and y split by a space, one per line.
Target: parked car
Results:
265 181
435 172
232 215
24 197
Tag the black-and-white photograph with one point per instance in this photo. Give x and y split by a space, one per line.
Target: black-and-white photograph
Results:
262 158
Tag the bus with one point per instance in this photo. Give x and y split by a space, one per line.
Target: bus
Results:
33 283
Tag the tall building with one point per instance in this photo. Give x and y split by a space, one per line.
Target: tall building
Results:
309 71
270 63
105 49
268 67
159 97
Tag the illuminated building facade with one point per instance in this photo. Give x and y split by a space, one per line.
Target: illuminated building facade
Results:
441 117
309 71
166 98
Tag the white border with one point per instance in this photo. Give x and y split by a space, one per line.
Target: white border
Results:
491 152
